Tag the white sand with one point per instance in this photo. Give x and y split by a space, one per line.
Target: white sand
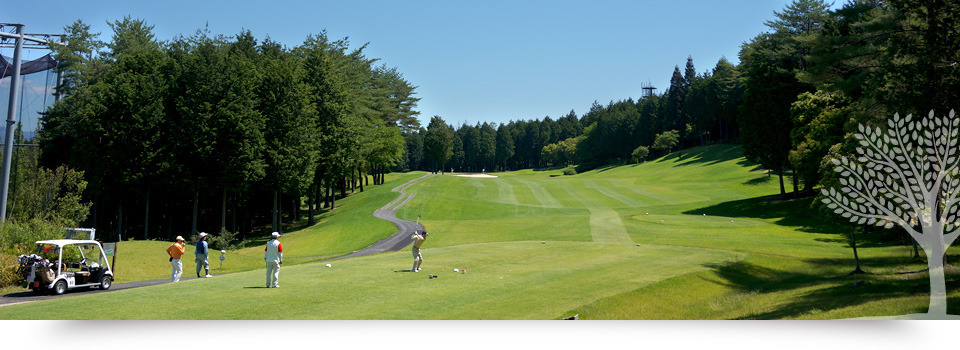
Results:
479 175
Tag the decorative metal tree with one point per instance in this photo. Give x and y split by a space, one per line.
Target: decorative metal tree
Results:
904 176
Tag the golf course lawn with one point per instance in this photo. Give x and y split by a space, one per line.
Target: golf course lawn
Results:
697 237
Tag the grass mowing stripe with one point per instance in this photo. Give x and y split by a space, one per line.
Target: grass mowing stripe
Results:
607 191
605 224
505 192
541 194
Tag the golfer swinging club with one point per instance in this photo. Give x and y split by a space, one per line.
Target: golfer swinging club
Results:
417 242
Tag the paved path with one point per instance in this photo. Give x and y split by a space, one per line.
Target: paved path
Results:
405 228
393 243
28 295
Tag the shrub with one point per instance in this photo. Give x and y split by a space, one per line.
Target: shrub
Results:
18 237
9 270
569 171
640 154
225 240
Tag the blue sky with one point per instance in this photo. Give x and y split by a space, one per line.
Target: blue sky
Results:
472 61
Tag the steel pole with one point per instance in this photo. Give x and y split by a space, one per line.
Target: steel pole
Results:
11 120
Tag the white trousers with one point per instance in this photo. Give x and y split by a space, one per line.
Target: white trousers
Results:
273 274
177 270
417 259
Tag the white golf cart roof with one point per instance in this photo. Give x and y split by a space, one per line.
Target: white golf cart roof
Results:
63 242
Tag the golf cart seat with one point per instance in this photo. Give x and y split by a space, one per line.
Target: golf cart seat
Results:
81 273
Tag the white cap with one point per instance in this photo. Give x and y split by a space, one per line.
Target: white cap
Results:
179 238
203 234
275 234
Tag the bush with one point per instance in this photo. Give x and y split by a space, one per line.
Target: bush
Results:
569 171
225 240
640 154
18 237
9 270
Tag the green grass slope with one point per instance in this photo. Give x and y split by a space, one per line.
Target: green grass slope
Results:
691 238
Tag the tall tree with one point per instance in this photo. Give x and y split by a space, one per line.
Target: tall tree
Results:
438 143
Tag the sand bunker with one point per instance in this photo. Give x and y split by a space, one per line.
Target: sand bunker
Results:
479 175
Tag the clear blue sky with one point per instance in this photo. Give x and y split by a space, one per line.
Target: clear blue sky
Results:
472 61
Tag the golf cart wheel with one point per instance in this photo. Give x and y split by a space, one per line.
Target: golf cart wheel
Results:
106 282
60 287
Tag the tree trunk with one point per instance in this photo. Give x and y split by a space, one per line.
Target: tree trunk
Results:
146 218
856 257
938 287
234 215
916 253
96 199
223 211
120 221
295 212
273 216
310 199
196 208
280 213
783 191
795 183
360 176
332 194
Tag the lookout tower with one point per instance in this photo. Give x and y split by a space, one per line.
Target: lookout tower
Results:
648 90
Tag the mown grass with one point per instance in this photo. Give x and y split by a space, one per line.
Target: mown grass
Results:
521 280
751 256
341 231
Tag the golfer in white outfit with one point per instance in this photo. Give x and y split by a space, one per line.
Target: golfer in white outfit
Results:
273 255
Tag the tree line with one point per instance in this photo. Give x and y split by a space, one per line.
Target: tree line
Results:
792 101
220 131
207 133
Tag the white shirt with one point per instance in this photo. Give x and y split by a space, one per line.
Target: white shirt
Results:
273 252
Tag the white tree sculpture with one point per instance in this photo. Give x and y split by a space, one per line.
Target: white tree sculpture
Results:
905 176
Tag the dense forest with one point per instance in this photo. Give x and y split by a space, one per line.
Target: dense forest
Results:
209 132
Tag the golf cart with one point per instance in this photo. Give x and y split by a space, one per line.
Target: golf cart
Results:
62 264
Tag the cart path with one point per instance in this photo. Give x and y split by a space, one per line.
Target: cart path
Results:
28 295
405 228
396 242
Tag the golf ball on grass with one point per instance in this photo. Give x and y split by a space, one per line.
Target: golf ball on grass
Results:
328 265
456 270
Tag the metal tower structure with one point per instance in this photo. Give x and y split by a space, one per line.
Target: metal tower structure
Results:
648 90
20 39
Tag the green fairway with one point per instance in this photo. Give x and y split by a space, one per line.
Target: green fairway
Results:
702 237
525 280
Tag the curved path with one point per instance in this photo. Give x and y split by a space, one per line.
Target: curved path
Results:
398 241
405 228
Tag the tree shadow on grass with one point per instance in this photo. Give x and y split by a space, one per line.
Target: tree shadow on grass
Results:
827 292
708 155
792 213
758 180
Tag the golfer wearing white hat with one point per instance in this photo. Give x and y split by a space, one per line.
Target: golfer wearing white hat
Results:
273 255
200 255
176 252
